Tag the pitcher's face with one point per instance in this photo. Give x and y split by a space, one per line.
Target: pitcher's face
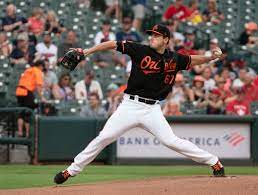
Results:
157 41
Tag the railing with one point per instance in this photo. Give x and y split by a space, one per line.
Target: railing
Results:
9 124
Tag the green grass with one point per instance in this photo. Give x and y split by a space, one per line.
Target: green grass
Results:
24 176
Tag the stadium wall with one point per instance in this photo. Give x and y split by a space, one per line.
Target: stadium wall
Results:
235 139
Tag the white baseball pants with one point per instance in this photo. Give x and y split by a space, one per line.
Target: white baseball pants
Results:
130 114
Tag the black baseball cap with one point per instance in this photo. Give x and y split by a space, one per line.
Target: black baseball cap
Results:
159 29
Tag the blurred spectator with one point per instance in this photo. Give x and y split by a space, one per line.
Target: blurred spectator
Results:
239 106
47 109
5 46
127 33
197 69
214 43
12 22
177 38
70 41
50 82
103 59
171 109
232 95
198 91
36 21
239 82
225 74
180 93
209 82
176 11
223 61
256 81
64 89
32 41
190 37
84 87
94 108
105 34
194 14
250 89
128 68
113 7
52 24
220 83
106 58
21 53
172 43
47 49
113 98
190 34
188 49
214 103
212 13
247 37
236 64
139 13
30 81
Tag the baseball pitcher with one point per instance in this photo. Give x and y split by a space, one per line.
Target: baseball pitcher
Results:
153 73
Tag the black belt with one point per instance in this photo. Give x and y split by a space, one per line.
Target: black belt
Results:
146 101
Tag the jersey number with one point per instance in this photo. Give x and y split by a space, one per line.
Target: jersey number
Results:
169 79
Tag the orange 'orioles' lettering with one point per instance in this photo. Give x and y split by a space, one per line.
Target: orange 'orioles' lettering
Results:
149 66
170 66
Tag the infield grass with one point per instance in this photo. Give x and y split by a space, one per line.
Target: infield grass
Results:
25 176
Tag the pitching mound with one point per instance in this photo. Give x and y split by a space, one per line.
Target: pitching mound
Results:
169 185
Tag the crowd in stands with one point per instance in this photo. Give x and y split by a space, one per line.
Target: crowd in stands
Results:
224 86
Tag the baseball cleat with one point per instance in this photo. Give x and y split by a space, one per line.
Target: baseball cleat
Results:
61 177
218 170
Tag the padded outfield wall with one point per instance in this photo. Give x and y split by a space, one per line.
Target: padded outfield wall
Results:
234 139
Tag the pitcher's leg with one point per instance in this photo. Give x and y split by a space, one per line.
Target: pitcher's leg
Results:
156 123
114 127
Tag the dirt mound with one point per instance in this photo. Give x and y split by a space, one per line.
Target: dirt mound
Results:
169 185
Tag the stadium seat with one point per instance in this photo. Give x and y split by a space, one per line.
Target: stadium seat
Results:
70 108
254 108
86 22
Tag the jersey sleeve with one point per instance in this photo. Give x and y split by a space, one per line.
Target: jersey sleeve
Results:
128 47
183 61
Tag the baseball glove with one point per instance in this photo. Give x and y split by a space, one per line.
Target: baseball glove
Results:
72 58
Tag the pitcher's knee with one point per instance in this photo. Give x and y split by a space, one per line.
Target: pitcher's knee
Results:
173 143
105 138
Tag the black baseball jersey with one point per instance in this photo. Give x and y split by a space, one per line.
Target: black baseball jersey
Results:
153 74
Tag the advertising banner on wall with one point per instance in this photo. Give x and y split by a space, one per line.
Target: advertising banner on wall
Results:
226 140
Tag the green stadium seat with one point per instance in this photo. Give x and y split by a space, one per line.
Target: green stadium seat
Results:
86 22
70 108
254 108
